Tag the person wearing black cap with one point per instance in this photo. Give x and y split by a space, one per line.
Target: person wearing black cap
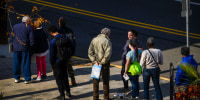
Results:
181 78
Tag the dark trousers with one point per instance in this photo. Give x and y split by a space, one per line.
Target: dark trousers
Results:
61 76
25 57
122 73
135 85
155 74
105 73
70 69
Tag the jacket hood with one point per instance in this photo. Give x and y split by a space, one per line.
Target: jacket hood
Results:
188 59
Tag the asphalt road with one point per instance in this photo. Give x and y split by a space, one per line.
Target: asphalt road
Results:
157 18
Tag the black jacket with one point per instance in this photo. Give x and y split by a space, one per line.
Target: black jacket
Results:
41 42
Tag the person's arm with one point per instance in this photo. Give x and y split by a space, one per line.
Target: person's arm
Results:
161 58
143 59
53 52
107 53
128 60
31 36
179 76
91 53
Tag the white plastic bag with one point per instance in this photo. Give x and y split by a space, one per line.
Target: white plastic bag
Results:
96 70
126 78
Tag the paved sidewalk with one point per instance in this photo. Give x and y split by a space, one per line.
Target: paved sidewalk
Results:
47 89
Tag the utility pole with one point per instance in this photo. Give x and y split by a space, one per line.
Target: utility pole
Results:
187 22
186 12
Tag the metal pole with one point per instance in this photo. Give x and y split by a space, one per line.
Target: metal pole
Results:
187 22
171 81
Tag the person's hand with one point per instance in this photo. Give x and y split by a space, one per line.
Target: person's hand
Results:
96 63
124 74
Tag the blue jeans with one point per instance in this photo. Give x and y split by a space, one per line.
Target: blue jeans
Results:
135 85
25 57
155 74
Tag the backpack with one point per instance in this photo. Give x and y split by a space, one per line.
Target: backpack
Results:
64 48
69 33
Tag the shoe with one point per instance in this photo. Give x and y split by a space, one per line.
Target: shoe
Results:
137 97
17 80
73 82
60 97
126 90
44 76
68 94
27 82
39 78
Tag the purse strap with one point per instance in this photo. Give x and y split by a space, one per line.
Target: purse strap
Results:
153 58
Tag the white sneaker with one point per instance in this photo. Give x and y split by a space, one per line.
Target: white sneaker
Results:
137 97
39 78
17 80
27 82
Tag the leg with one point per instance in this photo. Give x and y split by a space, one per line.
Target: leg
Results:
135 85
71 72
26 56
146 80
58 76
66 81
39 65
105 71
124 81
95 89
44 66
17 63
155 78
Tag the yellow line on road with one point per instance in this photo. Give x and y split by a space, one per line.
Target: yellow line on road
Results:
117 66
116 17
57 6
122 19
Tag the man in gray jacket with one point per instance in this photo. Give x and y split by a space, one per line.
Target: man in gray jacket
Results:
99 52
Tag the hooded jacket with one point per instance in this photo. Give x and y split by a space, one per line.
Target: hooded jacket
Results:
182 77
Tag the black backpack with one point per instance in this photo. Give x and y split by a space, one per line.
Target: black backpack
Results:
64 48
69 33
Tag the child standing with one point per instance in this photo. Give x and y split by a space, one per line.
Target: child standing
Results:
131 57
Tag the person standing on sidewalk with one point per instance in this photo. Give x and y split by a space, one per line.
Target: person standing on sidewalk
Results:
132 34
23 40
149 61
41 49
58 64
133 57
68 31
99 52
182 78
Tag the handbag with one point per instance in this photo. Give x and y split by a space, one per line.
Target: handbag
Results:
11 48
96 70
134 68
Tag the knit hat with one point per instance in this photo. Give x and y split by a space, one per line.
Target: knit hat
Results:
185 51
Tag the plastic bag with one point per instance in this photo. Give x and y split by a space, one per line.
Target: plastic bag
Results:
96 70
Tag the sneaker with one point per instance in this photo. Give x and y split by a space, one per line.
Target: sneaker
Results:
60 97
27 82
44 76
39 78
137 97
17 80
